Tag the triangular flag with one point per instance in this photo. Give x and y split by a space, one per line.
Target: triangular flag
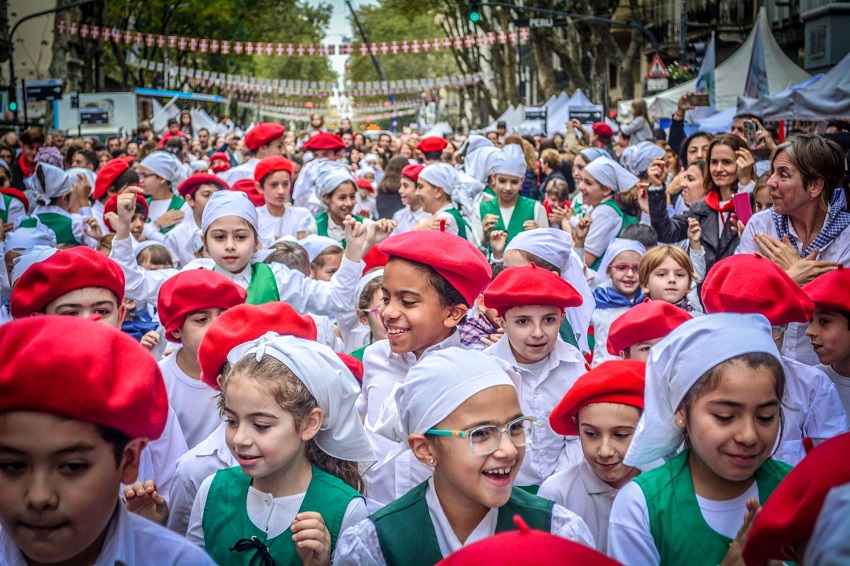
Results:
757 79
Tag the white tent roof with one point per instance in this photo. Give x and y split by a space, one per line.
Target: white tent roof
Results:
439 130
731 76
505 115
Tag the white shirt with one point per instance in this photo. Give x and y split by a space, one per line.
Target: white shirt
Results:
295 219
369 203
180 240
604 228
359 545
601 320
76 223
507 213
157 208
796 345
193 468
158 459
302 189
97 212
630 540
304 294
195 403
326 333
272 515
406 219
382 371
131 540
244 171
543 388
581 491
842 385
16 209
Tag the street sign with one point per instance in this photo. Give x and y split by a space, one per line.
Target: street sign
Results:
540 23
538 113
50 89
656 85
588 115
75 99
94 116
657 69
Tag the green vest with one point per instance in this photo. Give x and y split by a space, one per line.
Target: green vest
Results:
626 219
462 224
4 214
263 287
523 210
489 191
62 226
358 353
322 224
675 520
175 204
225 519
567 334
406 533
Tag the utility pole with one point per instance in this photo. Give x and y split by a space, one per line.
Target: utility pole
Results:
375 61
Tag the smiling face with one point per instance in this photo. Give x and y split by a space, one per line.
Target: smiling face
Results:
591 191
606 431
407 192
59 492
693 188
340 202
88 302
668 282
507 187
231 242
787 190
722 165
433 198
829 332
623 272
532 331
275 188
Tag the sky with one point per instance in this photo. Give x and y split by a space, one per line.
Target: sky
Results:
338 28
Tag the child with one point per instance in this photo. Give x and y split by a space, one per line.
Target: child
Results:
643 326
365 203
716 384
115 176
157 173
829 328
530 302
229 229
276 220
412 213
21 240
14 205
58 208
760 197
65 456
473 434
335 189
325 256
509 211
289 408
290 254
482 330
188 304
152 255
556 203
618 290
430 281
435 186
750 283
137 222
666 273
602 409
369 303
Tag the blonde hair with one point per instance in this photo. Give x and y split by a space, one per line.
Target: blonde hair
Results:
654 257
293 397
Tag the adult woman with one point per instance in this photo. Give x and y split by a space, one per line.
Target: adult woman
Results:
640 127
730 166
388 199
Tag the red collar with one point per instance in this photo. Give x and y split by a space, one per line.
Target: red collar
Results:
712 199
25 171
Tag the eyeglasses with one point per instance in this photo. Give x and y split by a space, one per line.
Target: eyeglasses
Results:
625 267
486 439
778 331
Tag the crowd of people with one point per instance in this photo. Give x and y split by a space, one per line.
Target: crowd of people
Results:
358 347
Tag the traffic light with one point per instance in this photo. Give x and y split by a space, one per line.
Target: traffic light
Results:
474 11
13 102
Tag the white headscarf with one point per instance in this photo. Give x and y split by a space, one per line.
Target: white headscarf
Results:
478 163
615 248
611 174
165 165
331 175
677 363
591 153
332 385
473 143
22 239
365 280
147 244
637 158
28 259
228 203
315 245
56 183
556 247
363 171
441 175
510 161
75 172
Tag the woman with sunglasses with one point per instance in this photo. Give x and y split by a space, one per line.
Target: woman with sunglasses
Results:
472 432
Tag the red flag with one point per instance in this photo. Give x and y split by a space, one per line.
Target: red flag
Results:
249 48
60 26
193 44
394 47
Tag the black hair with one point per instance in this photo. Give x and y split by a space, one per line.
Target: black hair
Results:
683 150
433 155
90 156
128 177
172 121
643 233
115 438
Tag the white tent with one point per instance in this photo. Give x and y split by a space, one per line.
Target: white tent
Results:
732 75
439 130
505 115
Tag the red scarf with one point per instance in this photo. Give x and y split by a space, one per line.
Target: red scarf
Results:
712 199
25 171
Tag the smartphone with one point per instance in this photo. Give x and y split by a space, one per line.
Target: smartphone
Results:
743 207
699 100
750 131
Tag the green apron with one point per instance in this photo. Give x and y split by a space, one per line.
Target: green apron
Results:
523 210
61 225
462 224
175 204
263 287
322 224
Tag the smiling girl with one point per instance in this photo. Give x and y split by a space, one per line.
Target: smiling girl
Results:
335 188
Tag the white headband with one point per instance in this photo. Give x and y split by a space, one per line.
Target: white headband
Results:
330 177
228 203
611 174
365 280
165 165
315 245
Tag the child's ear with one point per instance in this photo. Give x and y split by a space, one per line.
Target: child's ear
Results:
645 290
362 317
311 424
122 314
258 245
625 354
130 459
455 315
422 449
681 418
177 335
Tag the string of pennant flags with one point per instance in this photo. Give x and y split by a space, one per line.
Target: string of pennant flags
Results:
276 49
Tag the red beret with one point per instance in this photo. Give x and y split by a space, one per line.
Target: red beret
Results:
354 365
190 185
603 130
61 273
374 259
643 322
431 143
325 141
107 174
193 290
112 206
106 378
365 184
524 547
412 171
830 290
244 323
269 165
219 156
788 517
752 284
615 381
249 187
458 261
527 286
263 133
15 193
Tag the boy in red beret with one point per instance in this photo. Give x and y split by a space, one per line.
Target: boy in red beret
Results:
530 303
430 281
113 177
432 149
188 304
275 219
642 327
829 328
263 140
137 222
326 147
64 457
602 409
412 213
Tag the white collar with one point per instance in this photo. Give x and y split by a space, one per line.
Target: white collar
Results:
409 358
446 537
561 353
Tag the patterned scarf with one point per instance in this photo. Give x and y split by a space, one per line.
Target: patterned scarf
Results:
836 221
610 298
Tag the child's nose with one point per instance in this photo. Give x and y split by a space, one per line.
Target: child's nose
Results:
41 494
